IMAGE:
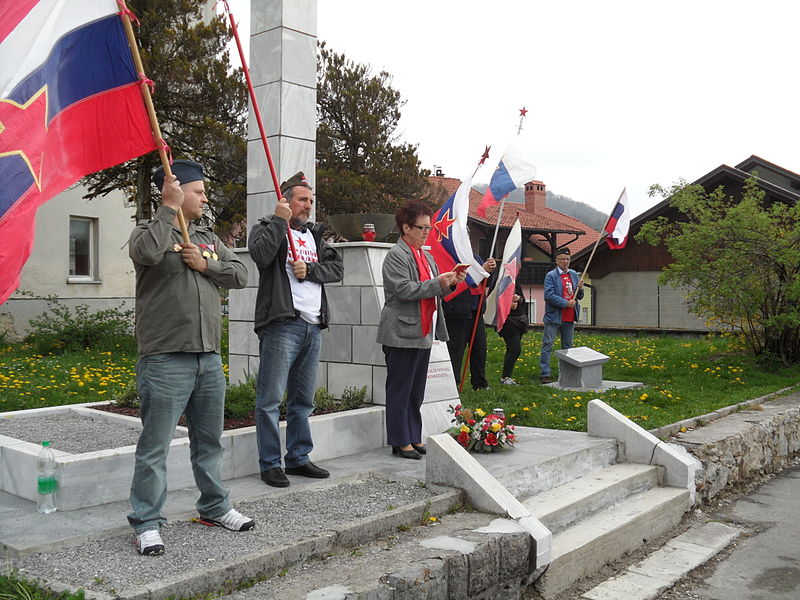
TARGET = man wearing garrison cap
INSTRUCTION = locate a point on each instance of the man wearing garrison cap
(179, 369)
(290, 312)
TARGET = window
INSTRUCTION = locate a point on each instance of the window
(82, 249)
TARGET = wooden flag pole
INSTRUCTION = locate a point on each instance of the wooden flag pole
(472, 337)
(151, 111)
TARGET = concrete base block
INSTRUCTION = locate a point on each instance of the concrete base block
(604, 386)
(450, 464)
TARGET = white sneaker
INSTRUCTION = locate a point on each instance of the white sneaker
(508, 381)
(149, 542)
(233, 520)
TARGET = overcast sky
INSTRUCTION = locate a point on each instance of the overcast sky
(619, 93)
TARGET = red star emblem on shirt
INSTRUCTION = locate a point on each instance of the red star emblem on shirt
(301, 242)
(442, 226)
(23, 128)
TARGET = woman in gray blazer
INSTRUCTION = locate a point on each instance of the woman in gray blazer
(411, 312)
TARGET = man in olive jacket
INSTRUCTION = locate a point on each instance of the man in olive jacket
(291, 309)
(179, 370)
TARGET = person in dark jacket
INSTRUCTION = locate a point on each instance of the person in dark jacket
(291, 310)
(460, 313)
(513, 329)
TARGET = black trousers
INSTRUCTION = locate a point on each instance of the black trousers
(406, 376)
(460, 331)
(513, 350)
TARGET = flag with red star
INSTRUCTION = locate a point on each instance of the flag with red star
(70, 105)
(449, 240)
(498, 304)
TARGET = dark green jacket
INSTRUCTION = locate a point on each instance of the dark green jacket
(178, 308)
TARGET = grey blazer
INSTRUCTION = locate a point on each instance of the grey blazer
(401, 320)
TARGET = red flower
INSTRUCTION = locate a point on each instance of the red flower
(510, 437)
(491, 440)
(485, 428)
(463, 438)
(471, 422)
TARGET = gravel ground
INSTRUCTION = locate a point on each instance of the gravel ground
(113, 563)
(71, 432)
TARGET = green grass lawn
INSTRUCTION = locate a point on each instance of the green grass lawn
(683, 377)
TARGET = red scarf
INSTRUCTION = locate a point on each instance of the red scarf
(426, 305)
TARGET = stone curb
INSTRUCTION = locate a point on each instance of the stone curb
(668, 430)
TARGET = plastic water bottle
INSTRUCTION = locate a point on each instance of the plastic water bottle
(47, 482)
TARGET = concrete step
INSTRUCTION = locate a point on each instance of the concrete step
(584, 455)
(581, 550)
(562, 506)
(464, 556)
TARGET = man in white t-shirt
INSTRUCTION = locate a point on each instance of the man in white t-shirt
(291, 309)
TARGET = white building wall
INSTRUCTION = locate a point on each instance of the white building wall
(47, 271)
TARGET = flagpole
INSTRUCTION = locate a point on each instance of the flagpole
(600, 237)
(257, 113)
(151, 111)
(472, 336)
(522, 114)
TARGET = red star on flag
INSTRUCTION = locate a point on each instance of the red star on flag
(25, 122)
(442, 226)
(512, 268)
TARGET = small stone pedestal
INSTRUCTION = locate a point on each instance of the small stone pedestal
(581, 369)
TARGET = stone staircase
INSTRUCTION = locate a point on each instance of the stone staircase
(600, 516)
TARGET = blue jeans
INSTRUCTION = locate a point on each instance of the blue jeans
(549, 335)
(170, 385)
(289, 356)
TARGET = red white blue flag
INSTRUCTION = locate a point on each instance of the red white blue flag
(513, 171)
(449, 240)
(618, 223)
(70, 105)
(498, 304)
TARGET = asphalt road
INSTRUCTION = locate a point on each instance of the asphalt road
(765, 561)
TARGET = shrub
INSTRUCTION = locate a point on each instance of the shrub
(61, 329)
(324, 400)
(240, 398)
(128, 397)
(352, 397)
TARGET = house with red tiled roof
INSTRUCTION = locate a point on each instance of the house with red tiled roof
(544, 230)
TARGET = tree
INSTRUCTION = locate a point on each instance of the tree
(201, 104)
(361, 166)
(739, 259)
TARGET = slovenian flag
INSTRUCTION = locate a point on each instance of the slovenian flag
(498, 304)
(449, 240)
(70, 105)
(513, 171)
(618, 223)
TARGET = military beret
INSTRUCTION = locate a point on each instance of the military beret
(298, 178)
(185, 170)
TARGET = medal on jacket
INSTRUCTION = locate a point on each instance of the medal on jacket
(209, 251)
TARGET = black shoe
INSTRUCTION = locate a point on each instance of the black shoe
(308, 470)
(545, 379)
(274, 477)
(406, 453)
(420, 449)
(481, 388)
